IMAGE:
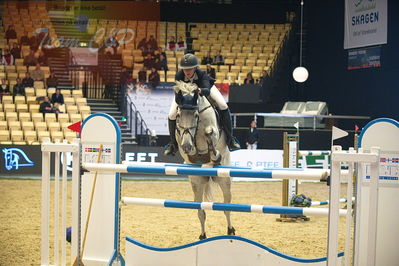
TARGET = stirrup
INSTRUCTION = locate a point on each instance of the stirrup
(170, 149)
(234, 144)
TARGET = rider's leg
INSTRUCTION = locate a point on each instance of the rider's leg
(225, 118)
(171, 148)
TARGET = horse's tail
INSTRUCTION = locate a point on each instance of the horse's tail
(208, 191)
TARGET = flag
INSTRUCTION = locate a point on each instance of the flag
(75, 127)
(296, 125)
(338, 133)
(356, 128)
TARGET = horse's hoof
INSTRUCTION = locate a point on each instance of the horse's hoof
(218, 159)
(202, 236)
(231, 231)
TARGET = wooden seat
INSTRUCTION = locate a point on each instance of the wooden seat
(3, 125)
(81, 101)
(50, 117)
(84, 109)
(9, 107)
(30, 136)
(11, 116)
(22, 108)
(70, 136)
(69, 100)
(14, 125)
(17, 135)
(27, 125)
(7, 99)
(40, 126)
(19, 99)
(4, 135)
(73, 118)
(29, 92)
(53, 126)
(63, 118)
(72, 109)
(56, 135)
(43, 134)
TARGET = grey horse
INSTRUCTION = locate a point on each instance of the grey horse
(201, 141)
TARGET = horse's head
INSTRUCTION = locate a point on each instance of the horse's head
(187, 115)
(11, 159)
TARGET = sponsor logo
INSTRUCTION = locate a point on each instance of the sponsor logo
(15, 158)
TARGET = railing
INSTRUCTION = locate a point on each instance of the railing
(135, 122)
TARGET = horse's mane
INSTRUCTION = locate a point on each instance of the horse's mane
(185, 88)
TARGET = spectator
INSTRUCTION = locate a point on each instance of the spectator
(10, 33)
(33, 43)
(124, 77)
(149, 62)
(249, 79)
(253, 137)
(27, 81)
(46, 107)
(210, 71)
(181, 45)
(207, 59)
(30, 59)
(160, 52)
(4, 87)
(52, 81)
(148, 50)
(141, 44)
(171, 46)
(154, 78)
(162, 63)
(263, 79)
(24, 39)
(18, 89)
(37, 74)
(7, 58)
(16, 51)
(57, 98)
(219, 59)
(142, 75)
(153, 42)
(111, 44)
(42, 59)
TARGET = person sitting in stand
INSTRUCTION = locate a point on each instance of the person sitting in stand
(152, 42)
(24, 40)
(15, 51)
(10, 33)
(148, 62)
(159, 52)
(171, 46)
(42, 59)
(57, 98)
(4, 87)
(142, 75)
(33, 43)
(7, 58)
(46, 107)
(30, 59)
(27, 81)
(148, 50)
(249, 79)
(141, 44)
(219, 59)
(162, 63)
(207, 59)
(18, 89)
(52, 81)
(37, 74)
(111, 44)
(154, 78)
(181, 44)
(263, 79)
(189, 72)
(210, 71)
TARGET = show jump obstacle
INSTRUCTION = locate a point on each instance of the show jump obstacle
(375, 218)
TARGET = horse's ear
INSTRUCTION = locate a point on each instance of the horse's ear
(195, 98)
(178, 97)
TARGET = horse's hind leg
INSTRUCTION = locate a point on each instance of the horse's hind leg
(225, 185)
(198, 186)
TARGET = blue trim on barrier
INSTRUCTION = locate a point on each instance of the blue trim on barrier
(283, 210)
(238, 238)
(182, 204)
(324, 202)
(231, 207)
(251, 173)
(231, 167)
(388, 120)
(146, 169)
(195, 171)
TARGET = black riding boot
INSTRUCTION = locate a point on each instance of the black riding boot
(171, 148)
(228, 129)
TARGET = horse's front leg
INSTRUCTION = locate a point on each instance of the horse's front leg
(211, 140)
(198, 186)
(225, 185)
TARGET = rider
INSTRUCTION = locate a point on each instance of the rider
(190, 72)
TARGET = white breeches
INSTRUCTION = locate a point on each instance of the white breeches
(215, 95)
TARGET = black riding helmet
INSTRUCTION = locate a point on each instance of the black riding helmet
(188, 61)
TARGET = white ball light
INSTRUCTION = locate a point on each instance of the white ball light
(300, 74)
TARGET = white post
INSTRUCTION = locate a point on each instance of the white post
(64, 207)
(373, 209)
(75, 242)
(56, 207)
(45, 228)
(349, 192)
(333, 209)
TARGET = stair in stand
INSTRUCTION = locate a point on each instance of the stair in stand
(110, 107)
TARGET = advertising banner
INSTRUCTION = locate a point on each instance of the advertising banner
(364, 58)
(365, 23)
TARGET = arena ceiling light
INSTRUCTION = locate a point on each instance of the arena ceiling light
(300, 74)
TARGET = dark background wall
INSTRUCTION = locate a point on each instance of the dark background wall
(373, 92)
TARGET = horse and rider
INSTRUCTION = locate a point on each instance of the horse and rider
(191, 73)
